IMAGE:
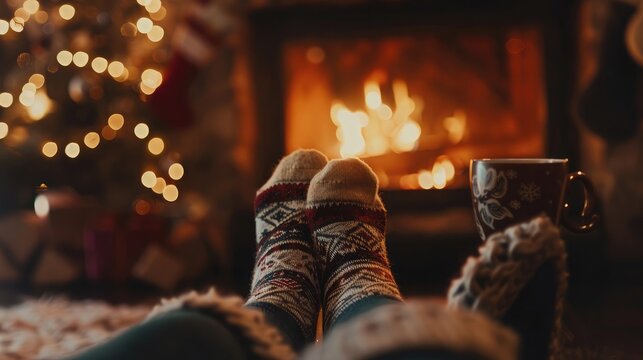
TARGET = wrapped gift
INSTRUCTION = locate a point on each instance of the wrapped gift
(100, 249)
(20, 236)
(54, 269)
(159, 268)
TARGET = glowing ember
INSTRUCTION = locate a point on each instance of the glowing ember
(425, 179)
(440, 175)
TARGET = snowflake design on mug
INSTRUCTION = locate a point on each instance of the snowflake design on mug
(529, 192)
(488, 186)
(512, 174)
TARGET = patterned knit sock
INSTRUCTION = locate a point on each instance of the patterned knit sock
(347, 220)
(285, 284)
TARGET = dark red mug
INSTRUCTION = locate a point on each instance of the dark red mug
(510, 191)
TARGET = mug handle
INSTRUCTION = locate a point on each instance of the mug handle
(589, 217)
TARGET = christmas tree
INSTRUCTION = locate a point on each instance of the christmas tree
(75, 82)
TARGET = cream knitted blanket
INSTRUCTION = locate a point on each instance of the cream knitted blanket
(52, 328)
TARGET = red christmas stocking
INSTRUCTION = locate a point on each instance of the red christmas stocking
(195, 44)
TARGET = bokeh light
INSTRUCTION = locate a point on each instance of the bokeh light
(108, 133)
(116, 121)
(99, 65)
(80, 58)
(148, 179)
(40, 106)
(142, 207)
(38, 80)
(4, 27)
(116, 69)
(144, 25)
(170, 193)
(50, 149)
(159, 15)
(156, 146)
(153, 6)
(72, 150)
(41, 206)
(128, 29)
(175, 171)
(64, 58)
(67, 11)
(152, 78)
(141, 130)
(31, 6)
(159, 186)
(17, 24)
(91, 140)
(156, 34)
(27, 98)
(6, 99)
(4, 130)
(41, 17)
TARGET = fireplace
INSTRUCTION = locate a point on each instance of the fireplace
(415, 89)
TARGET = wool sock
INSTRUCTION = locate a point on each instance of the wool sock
(347, 220)
(285, 283)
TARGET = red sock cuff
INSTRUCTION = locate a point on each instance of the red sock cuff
(281, 192)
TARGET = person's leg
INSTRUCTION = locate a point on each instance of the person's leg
(417, 330)
(285, 284)
(362, 306)
(347, 220)
(179, 334)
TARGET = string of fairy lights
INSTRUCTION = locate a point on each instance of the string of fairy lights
(37, 104)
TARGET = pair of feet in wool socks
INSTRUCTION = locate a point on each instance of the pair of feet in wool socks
(320, 242)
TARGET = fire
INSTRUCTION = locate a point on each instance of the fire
(456, 126)
(425, 179)
(379, 129)
(372, 95)
(349, 130)
(440, 175)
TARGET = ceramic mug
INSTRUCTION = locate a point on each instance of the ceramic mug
(510, 191)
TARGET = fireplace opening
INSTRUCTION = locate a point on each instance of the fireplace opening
(417, 108)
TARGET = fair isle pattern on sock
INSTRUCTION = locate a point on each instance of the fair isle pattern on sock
(349, 240)
(285, 274)
(348, 220)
